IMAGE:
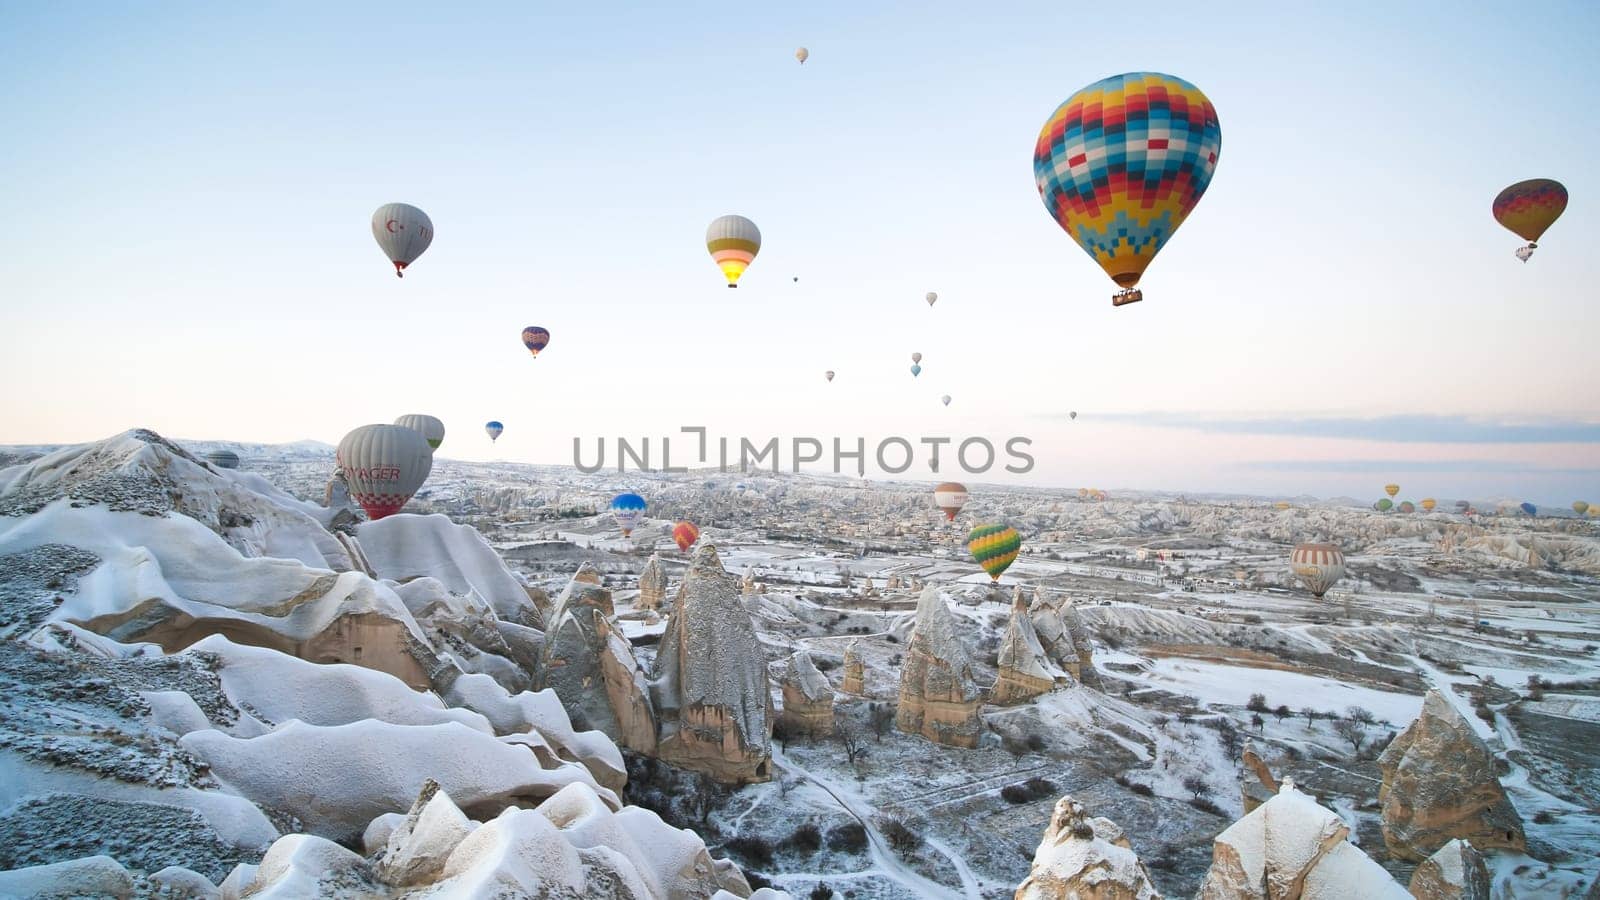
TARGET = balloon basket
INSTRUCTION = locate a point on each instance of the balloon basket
(1123, 298)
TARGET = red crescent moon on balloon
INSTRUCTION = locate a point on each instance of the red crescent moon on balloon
(390, 225)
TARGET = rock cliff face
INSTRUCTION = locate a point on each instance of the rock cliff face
(1062, 634)
(1439, 783)
(1291, 848)
(807, 697)
(652, 584)
(1025, 671)
(855, 670)
(939, 699)
(709, 684)
(592, 669)
(1256, 781)
(1456, 872)
(1084, 858)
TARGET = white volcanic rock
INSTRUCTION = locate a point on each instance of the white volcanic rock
(1292, 848)
(807, 696)
(187, 884)
(1085, 858)
(1439, 783)
(855, 670)
(541, 712)
(91, 876)
(1455, 872)
(652, 584)
(939, 698)
(305, 865)
(592, 668)
(403, 547)
(1025, 671)
(709, 687)
(416, 850)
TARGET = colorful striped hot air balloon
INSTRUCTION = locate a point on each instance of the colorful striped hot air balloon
(535, 339)
(684, 534)
(950, 497)
(1318, 566)
(1122, 163)
(1528, 208)
(1406, 506)
(1383, 505)
(493, 429)
(628, 510)
(1428, 503)
(403, 232)
(994, 547)
(733, 242)
(1391, 489)
(383, 465)
(431, 429)
(227, 459)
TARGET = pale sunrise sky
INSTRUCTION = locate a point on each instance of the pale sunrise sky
(188, 188)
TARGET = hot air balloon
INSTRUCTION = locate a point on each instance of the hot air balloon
(802, 54)
(1527, 208)
(1428, 503)
(945, 399)
(994, 547)
(1073, 415)
(535, 339)
(1406, 506)
(916, 357)
(685, 534)
(1318, 566)
(915, 371)
(1281, 504)
(1462, 506)
(1083, 493)
(950, 497)
(1383, 505)
(932, 298)
(493, 429)
(227, 459)
(431, 429)
(1391, 489)
(403, 232)
(383, 465)
(1122, 163)
(733, 242)
(1580, 506)
(829, 374)
(1594, 511)
(1529, 508)
(628, 509)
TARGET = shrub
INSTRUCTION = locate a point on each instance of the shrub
(1543, 817)
(825, 665)
(891, 639)
(1205, 805)
(1258, 703)
(1142, 789)
(755, 849)
(849, 838)
(756, 880)
(1035, 743)
(822, 892)
(1041, 787)
(1015, 793)
(1196, 785)
(806, 838)
(900, 836)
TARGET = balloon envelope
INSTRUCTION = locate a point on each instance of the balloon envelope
(829, 374)
(431, 429)
(916, 357)
(932, 298)
(915, 371)
(1318, 566)
(1123, 162)
(802, 54)
(403, 232)
(535, 339)
(1527, 208)
(1429, 503)
(684, 534)
(1530, 509)
(950, 497)
(1406, 506)
(384, 465)
(733, 242)
(1580, 506)
(227, 459)
(945, 399)
(1462, 506)
(628, 509)
(1384, 505)
(493, 429)
(1391, 489)
(994, 547)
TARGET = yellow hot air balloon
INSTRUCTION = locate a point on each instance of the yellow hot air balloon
(1122, 163)
(1580, 506)
(1281, 504)
(1428, 503)
(733, 242)
(1528, 208)
(802, 54)
(1391, 489)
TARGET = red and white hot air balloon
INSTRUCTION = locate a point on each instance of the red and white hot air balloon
(384, 465)
(1318, 566)
(950, 497)
(403, 232)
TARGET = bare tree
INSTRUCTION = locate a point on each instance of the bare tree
(1352, 731)
(1282, 712)
(1309, 713)
(1360, 715)
(850, 740)
(1196, 785)
(881, 717)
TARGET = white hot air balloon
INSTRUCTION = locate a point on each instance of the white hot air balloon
(1318, 566)
(223, 459)
(932, 298)
(403, 232)
(384, 465)
(945, 399)
(916, 357)
(431, 429)
(802, 54)
(829, 373)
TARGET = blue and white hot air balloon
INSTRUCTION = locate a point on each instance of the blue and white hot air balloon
(629, 512)
(493, 429)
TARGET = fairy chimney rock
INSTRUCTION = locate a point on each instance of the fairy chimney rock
(939, 698)
(807, 696)
(652, 584)
(1025, 671)
(855, 670)
(1084, 858)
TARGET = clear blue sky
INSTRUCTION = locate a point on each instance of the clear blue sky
(188, 187)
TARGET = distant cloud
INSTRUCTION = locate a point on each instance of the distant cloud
(1407, 429)
(1400, 466)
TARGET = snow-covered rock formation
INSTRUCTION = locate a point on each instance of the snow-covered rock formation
(939, 698)
(709, 684)
(1455, 872)
(1439, 783)
(652, 584)
(807, 697)
(855, 670)
(591, 667)
(1085, 858)
(1292, 848)
(1025, 671)
(1064, 637)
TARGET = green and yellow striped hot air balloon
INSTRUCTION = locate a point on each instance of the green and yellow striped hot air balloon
(995, 548)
